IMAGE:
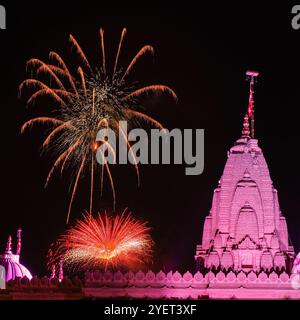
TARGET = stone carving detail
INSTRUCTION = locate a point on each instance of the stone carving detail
(245, 229)
(54, 283)
(186, 280)
(153, 285)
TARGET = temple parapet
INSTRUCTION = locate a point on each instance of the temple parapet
(161, 285)
(44, 283)
(187, 280)
(174, 285)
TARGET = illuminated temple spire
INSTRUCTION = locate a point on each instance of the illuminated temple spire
(245, 228)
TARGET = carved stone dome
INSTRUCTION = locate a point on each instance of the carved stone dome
(11, 262)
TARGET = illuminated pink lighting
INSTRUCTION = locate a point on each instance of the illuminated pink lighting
(11, 262)
(245, 251)
(252, 76)
(245, 229)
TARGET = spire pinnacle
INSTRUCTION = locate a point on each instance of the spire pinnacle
(252, 76)
(9, 243)
(19, 244)
(53, 271)
(61, 271)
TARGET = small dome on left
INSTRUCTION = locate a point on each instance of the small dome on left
(11, 262)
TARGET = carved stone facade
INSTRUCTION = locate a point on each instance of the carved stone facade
(43, 289)
(150, 285)
(245, 229)
(174, 285)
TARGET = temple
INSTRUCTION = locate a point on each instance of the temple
(245, 251)
(245, 229)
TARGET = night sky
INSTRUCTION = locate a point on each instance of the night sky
(202, 53)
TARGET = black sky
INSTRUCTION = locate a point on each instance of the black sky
(202, 53)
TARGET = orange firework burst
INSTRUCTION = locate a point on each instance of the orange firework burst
(92, 101)
(104, 242)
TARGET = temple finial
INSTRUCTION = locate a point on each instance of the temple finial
(53, 271)
(9, 243)
(19, 244)
(61, 271)
(246, 127)
(252, 76)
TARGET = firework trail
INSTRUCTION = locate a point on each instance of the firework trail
(104, 242)
(91, 101)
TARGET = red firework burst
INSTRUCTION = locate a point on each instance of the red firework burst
(105, 242)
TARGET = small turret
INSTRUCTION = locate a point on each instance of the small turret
(19, 244)
(53, 271)
(61, 271)
(9, 245)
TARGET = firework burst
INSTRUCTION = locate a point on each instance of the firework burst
(91, 101)
(104, 242)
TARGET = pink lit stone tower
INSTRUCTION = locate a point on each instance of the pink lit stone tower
(245, 229)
